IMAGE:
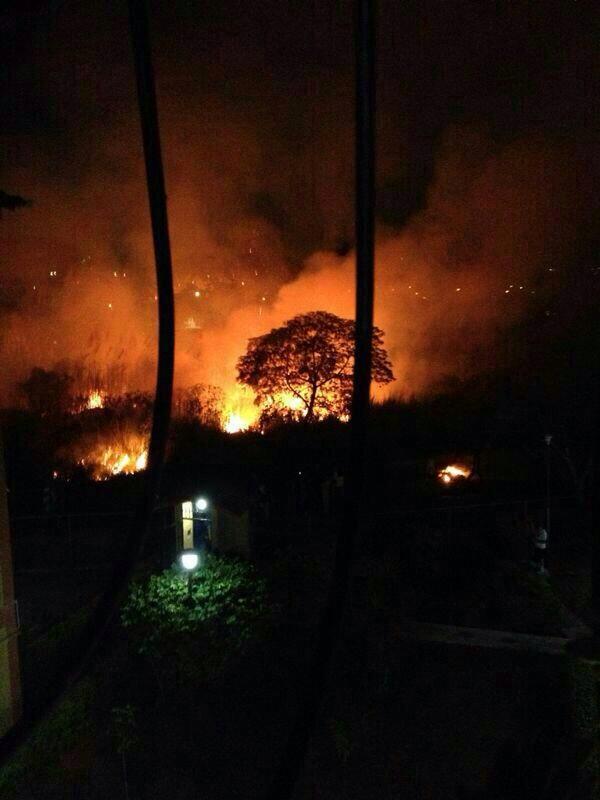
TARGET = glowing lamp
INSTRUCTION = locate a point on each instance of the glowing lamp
(201, 504)
(189, 560)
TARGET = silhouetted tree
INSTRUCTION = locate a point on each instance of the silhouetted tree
(202, 401)
(47, 391)
(307, 364)
(12, 201)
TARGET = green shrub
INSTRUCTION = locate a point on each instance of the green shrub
(523, 602)
(198, 634)
(36, 770)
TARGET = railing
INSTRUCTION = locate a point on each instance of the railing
(58, 542)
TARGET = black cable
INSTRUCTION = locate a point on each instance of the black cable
(312, 693)
(86, 650)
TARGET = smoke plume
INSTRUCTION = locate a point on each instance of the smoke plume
(259, 181)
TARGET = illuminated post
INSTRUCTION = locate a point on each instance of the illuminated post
(189, 561)
(108, 608)
(548, 440)
(285, 778)
(204, 529)
(10, 687)
(594, 529)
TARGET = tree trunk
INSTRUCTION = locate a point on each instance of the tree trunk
(311, 404)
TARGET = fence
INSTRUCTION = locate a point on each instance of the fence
(51, 543)
(491, 518)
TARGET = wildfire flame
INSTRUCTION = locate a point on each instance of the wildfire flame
(239, 412)
(113, 461)
(235, 423)
(95, 399)
(124, 455)
(452, 472)
(291, 401)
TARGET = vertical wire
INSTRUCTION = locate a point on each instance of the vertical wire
(95, 635)
(316, 678)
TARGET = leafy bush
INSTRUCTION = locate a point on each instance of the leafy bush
(200, 634)
(48, 646)
(522, 602)
(38, 769)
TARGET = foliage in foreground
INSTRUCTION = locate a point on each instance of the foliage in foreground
(48, 761)
(200, 634)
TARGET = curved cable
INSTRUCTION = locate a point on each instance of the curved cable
(313, 690)
(86, 650)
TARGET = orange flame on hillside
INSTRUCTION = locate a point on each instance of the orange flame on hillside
(117, 453)
(291, 401)
(95, 399)
(239, 412)
(235, 423)
(452, 472)
(123, 456)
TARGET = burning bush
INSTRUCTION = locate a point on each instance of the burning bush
(92, 400)
(454, 472)
(108, 452)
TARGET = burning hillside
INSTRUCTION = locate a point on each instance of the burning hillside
(447, 286)
(107, 454)
(108, 434)
(476, 220)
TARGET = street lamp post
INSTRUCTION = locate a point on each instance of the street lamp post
(548, 440)
(189, 561)
(204, 519)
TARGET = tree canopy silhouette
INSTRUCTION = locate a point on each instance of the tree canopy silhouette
(12, 201)
(306, 365)
(47, 391)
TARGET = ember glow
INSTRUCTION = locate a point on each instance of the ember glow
(453, 471)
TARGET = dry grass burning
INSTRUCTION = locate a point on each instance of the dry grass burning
(109, 453)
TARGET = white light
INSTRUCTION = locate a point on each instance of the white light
(201, 504)
(189, 560)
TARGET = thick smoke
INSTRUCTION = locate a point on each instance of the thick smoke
(259, 179)
(460, 273)
(448, 284)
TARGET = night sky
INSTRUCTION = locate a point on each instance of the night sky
(485, 178)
